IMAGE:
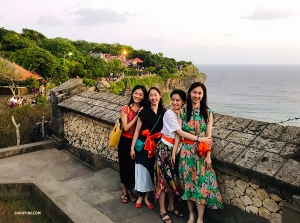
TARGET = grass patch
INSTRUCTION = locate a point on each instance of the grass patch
(10, 207)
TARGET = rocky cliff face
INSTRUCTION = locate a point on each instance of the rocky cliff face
(180, 83)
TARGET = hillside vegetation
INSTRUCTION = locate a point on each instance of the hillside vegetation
(58, 59)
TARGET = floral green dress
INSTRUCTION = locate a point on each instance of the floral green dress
(199, 184)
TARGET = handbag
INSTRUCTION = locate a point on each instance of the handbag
(116, 133)
(139, 144)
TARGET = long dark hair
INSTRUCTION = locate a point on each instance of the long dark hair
(181, 94)
(160, 103)
(145, 99)
(203, 102)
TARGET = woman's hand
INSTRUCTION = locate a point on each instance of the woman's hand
(206, 140)
(207, 162)
(173, 159)
(140, 109)
(132, 154)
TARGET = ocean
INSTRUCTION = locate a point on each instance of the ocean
(268, 93)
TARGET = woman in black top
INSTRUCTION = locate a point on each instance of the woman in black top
(150, 118)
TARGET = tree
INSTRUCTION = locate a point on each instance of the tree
(9, 74)
(14, 41)
(31, 82)
(32, 35)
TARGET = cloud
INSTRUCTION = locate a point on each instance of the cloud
(50, 21)
(94, 17)
(2, 17)
(269, 14)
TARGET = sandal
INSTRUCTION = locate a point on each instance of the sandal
(124, 198)
(165, 220)
(131, 196)
(176, 212)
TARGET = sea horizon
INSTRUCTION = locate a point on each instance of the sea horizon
(264, 92)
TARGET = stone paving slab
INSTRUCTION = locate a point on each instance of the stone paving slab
(225, 121)
(217, 117)
(239, 137)
(239, 124)
(230, 152)
(273, 131)
(290, 150)
(256, 127)
(269, 164)
(290, 173)
(292, 134)
(220, 132)
(270, 145)
(249, 158)
(218, 146)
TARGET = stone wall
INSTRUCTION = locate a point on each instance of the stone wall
(57, 95)
(89, 134)
(257, 163)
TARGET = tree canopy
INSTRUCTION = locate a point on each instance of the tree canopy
(60, 58)
(9, 74)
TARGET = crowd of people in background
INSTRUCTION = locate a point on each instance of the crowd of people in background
(15, 101)
(112, 77)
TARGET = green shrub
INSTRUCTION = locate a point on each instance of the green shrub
(42, 101)
(26, 116)
(167, 76)
(31, 82)
(89, 82)
(117, 87)
(166, 98)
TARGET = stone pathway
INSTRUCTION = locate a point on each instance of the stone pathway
(101, 188)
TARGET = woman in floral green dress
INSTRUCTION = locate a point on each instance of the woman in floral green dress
(197, 177)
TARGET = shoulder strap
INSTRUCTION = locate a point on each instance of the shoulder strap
(155, 123)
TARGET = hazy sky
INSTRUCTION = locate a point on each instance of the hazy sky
(204, 32)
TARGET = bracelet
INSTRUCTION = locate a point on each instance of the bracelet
(197, 138)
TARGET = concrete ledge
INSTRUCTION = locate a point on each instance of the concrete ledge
(26, 148)
(92, 159)
(59, 203)
(290, 213)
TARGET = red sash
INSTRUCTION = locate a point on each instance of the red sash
(127, 135)
(203, 148)
(170, 140)
(150, 144)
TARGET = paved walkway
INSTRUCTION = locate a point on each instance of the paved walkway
(101, 188)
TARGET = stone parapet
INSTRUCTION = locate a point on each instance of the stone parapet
(102, 106)
(268, 151)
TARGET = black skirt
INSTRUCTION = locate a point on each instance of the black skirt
(126, 163)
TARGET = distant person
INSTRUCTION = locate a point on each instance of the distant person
(13, 101)
(129, 116)
(195, 170)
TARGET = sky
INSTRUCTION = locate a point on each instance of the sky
(204, 32)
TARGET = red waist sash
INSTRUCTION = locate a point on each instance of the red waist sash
(150, 144)
(203, 148)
